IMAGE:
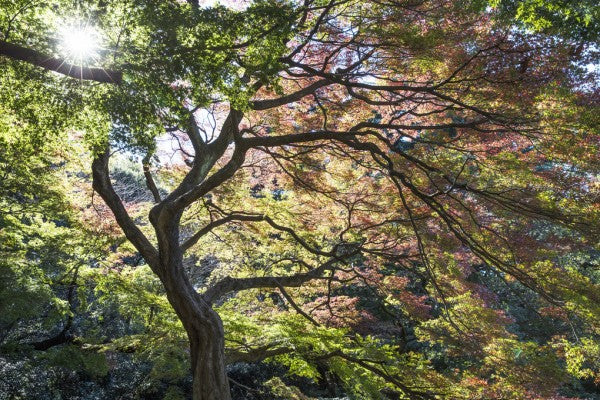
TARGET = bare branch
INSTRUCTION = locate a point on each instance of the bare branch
(296, 307)
(253, 218)
(272, 141)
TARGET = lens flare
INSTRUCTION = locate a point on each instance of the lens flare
(79, 43)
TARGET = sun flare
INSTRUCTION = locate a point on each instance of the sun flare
(79, 43)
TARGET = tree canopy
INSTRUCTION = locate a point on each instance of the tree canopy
(385, 199)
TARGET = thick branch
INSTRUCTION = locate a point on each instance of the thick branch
(195, 184)
(195, 136)
(216, 179)
(63, 337)
(59, 65)
(228, 284)
(256, 354)
(294, 138)
(290, 98)
(103, 186)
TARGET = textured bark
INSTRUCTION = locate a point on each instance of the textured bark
(208, 361)
(205, 333)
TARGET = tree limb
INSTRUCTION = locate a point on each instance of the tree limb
(256, 354)
(150, 180)
(216, 223)
(252, 218)
(290, 98)
(103, 186)
(228, 284)
(34, 57)
(63, 337)
(296, 307)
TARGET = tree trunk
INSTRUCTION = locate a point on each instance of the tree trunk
(208, 363)
(205, 333)
(202, 324)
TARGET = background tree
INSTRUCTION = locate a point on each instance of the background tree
(381, 171)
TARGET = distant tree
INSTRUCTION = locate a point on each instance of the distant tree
(349, 159)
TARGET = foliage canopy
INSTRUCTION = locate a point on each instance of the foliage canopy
(300, 199)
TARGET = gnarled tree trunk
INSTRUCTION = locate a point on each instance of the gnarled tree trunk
(208, 360)
(202, 324)
(205, 333)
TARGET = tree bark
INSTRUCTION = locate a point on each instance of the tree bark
(207, 348)
(202, 324)
(205, 334)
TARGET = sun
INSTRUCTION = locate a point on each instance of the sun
(79, 43)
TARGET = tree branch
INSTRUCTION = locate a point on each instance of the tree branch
(256, 354)
(59, 65)
(195, 184)
(216, 223)
(294, 138)
(296, 307)
(228, 284)
(366, 364)
(103, 186)
(178, 202)
(64, 336)
(149, 180)
(253, 218)
(290, 98)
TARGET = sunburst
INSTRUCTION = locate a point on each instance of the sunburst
(79, 43)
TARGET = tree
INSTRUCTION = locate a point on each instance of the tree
(387, 146)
